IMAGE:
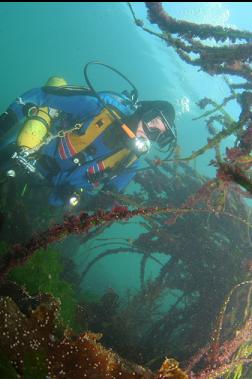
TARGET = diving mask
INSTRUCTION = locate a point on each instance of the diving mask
(157, 127)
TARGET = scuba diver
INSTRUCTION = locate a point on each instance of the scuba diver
(83, 142)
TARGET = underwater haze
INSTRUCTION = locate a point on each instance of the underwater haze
(133, 279)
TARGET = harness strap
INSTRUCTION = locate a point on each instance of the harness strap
(99, 124)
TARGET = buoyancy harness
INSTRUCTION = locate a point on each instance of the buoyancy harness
(37, 127)
(129, 154)
(79, 143)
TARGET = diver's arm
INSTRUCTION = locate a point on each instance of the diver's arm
(67, 183)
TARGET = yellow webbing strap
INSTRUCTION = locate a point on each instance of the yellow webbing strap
(99, 124)
(113, 160)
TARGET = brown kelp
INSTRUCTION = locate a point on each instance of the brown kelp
(189, 41)
(194, 235)
(196, 231)
(33, 345)
(233, 59)
(194, 246)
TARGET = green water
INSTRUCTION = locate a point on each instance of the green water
(39, 40)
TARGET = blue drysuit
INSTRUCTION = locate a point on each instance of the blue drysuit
(62, 170)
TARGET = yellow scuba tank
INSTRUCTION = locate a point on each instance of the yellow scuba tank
(35, 127)
(39, 120)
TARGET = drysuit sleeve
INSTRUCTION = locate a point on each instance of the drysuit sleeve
(67, 182)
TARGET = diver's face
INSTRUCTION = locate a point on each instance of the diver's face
(156, 123)
(155, 128)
